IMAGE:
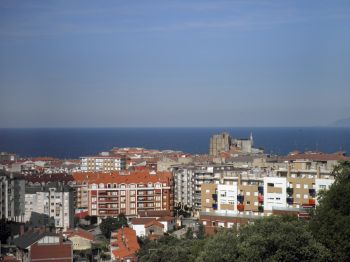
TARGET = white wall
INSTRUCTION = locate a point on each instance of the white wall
(275, 199)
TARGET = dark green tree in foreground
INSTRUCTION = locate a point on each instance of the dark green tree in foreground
(112, 224)
(269, 239)
(331, 221)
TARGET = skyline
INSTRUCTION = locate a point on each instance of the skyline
(174, 63)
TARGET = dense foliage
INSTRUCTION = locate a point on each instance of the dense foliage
(270, 239)
(331, 222)
(325, 238)
(112, 224)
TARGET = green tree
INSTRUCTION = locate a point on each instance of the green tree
(331, 221)
(221, 247)
(201, 231)
(110, 224)
(279, 239)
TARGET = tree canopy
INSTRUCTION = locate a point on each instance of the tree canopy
(110, 224)
(331, 221)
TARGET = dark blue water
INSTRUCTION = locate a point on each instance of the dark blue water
(72, 143)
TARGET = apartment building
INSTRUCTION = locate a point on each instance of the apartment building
(103, 163)
(110, 194)
(284, 189)
(52, 203)
(12, 189)
(190, 180)
(239, 194)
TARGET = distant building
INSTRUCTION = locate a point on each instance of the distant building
(7, 157)
(224, 142)
(52, 203)
(12, 190)
(103, 163)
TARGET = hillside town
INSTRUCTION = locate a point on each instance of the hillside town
(99, 207)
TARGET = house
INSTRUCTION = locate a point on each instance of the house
(80, 238)
(124, 245)
(154, 229)
(138, 224)
(168, 222)
(43, 247)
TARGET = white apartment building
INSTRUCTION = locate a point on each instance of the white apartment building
(102, 163)
(275, 193)
(50, 204)
(227, 197)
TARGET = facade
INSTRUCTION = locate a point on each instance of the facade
(189, 180)
(52, 203)
(12, 189)
(224, 142)
(43, 247)
(102, 163)
(219, 143)
(283, 189)
(110, 194)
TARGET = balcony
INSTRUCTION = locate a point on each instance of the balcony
(312, 202)
(290, 200)
(312, 192)
(261, 189)
(240, 198)
(240, 207)
(290, 191)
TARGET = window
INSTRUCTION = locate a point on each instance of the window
(297, 195)
(122, 205)
(306, 196)
(271, 184)
(247, 193)
(256, 193)
(248, 202)
(207, 191)
(298, 185)
(255, 203)
(207, 201)
(122, 193)
(306, 186)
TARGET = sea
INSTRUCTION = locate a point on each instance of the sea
(67, 143)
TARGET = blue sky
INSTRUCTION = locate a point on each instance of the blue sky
(174, 63)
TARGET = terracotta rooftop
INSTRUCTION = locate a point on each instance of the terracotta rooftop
(316, 156)
(127, 244)
(79, 232)
(154, 223)
(122, 177)
(141, 221)
(154, 213)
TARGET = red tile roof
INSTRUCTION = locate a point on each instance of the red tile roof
(154, 223)
(141, 221)
(316, 156)
(122, 177)
(79, 232)
(127, 244)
